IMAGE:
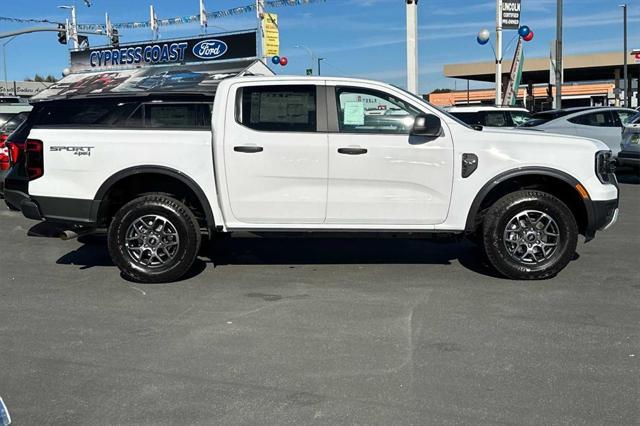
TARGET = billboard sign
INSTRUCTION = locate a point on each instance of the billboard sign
(166, 52)
(511, 14)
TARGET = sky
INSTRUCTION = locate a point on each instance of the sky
(358, 38)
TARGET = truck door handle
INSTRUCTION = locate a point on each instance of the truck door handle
(248, 149)
(352, 151)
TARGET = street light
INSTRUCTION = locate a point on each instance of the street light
(320, 59)
(626, 65)
(4, 63)
(309, 51)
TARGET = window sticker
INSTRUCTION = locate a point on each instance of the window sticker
(354, 113)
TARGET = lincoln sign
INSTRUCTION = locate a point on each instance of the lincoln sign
(166, 52)
(511, 14)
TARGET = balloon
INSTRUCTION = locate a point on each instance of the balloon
(284, 61)
(524, 31)
(275, 60)
(528, 37)
(483, 37)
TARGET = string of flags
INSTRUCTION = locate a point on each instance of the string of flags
(154, 22)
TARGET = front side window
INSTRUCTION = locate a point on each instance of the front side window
(370, 111)
(625, 116)
(520, 117)
(278, 108)
(594, 119)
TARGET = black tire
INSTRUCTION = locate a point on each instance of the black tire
(539, 264)
(173, 223)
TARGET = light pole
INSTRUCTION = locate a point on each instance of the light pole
(73, 32)
(319, 60)
(309, 51)
(498, 52)
(559, 65)
(4, 62)
(626, 65)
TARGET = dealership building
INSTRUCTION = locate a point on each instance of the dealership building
(590, 80)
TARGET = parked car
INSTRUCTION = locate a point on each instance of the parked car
(5, 130)
(630, 148)
(12, 105)
(296, 154)
(491, 116)
(602, 123)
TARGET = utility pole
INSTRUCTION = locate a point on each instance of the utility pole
(319, 60)
(559, 64)
(412, 46)
(627, 102)
(498, 52)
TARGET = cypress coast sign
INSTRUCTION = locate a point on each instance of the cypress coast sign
(166, 52)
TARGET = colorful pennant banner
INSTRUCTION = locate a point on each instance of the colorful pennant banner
(174, 21)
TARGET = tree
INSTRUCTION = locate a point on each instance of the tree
(48, 79)
(442, 91)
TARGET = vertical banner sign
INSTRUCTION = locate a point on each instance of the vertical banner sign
(515, 77)
(271, 35)
(510, 14)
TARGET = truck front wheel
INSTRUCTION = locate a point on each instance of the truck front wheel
(529, 235)
(154, 238)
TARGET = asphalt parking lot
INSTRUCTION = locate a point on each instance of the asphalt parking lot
(321, 331)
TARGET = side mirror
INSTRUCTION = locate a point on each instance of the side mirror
(427, 125)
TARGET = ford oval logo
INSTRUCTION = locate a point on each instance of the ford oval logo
(210, 49)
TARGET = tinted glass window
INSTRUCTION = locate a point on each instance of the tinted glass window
(594, 119)
(368, 111)
(468, 117)
(176, 116)
(519, 117)
(14, 122)
(279, 108)
(496, 119)
(79, 113)
(635, 119)
(9, 100)
(625, 116)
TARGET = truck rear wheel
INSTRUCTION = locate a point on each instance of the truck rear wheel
(154, 238)
(529, 235)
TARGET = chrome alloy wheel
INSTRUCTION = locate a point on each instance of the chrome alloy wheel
(152, 240)
(531, 237)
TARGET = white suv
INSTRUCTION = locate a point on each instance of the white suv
(291, 154)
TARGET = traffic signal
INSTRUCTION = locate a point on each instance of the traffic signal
(62, 34)
(115, 38)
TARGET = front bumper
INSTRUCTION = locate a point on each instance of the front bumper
(603, 215)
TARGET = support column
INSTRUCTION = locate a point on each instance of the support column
(412, 46)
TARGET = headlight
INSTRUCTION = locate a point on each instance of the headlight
(605, 166)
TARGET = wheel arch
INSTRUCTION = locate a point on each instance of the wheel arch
(140, 172)
(553, 181)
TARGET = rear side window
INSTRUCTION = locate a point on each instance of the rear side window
(594, 119)
(278, 108)
(176, 116)
(80, 113)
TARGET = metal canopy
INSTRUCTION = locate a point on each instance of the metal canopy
(577, 68)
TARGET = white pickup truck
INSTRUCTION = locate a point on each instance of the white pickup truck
(312, 154)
